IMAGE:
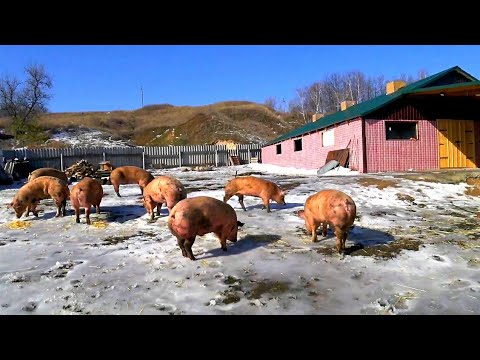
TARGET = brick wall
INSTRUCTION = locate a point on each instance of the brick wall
(313, 154)
(401, 155)
(477, 143)
(383, 155)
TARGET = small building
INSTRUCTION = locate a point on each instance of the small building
(430, 124)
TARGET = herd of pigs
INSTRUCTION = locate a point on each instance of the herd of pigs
(188, 217)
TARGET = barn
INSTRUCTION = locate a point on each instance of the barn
(430, 124)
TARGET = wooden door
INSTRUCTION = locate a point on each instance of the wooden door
(456, 141)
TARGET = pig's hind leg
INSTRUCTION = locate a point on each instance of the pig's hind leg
(181, 245)
(240, 200)
(159, 206)
(341, 235)
(188, 247)
(87, 214)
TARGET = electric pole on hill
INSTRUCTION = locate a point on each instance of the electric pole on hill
(141, 89)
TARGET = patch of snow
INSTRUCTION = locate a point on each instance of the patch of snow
(87, 138)
(134, 266)
(283, 170)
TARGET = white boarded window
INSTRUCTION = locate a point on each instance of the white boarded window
(327, 138)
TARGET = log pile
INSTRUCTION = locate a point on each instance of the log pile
(80, 170)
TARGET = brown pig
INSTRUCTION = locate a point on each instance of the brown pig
(86, 193)
(253, 186)
(163, 189)
(199, 216)
(43, 187)
(129, 175)
(47, 172)
(329, 207)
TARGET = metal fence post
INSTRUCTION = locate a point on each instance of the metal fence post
(179, 159)
(61, 161)
(143, 159)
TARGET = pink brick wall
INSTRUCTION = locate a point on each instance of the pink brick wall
(313, 155)
(401, 155)
(477, 142)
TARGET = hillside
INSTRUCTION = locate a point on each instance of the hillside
(232, 121)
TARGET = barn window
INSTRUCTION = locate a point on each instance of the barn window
(401, 130)
(328, 138)
(279, 149)
(298, 145)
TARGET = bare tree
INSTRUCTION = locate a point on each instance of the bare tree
(407, 78)
(276, 104)
(272, 103)
(316, 97)
(336, 93)
(302, 94)
(379, 86)
(326, 95)
(422, 74)
(24, 101)
(356, 86)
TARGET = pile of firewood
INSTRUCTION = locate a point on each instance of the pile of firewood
(80, 170)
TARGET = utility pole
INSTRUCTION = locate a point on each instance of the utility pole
(141, 89)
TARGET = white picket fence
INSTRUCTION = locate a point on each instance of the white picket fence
(144, 157)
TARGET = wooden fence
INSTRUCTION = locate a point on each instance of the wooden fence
(155, 157)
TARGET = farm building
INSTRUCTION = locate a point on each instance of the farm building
(433, 123)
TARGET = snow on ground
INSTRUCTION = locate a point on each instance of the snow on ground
(407, 255)
(86, 137)
(281, 170)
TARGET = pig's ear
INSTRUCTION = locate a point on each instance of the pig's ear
(10, 205)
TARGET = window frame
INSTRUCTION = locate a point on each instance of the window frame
(297, 141)
(332, 131)
(388, 123)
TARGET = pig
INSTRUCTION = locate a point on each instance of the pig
(163, 189)
(329, 207)
(129, 175)
(253, 186)
(199, 216)
(86, 193)
(47, 172)
(43, 187)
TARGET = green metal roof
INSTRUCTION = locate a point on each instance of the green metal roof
(369, 106)
(446, 87)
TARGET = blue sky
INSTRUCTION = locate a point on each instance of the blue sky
(108, 77)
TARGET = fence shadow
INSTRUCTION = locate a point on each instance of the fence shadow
(15, 186)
